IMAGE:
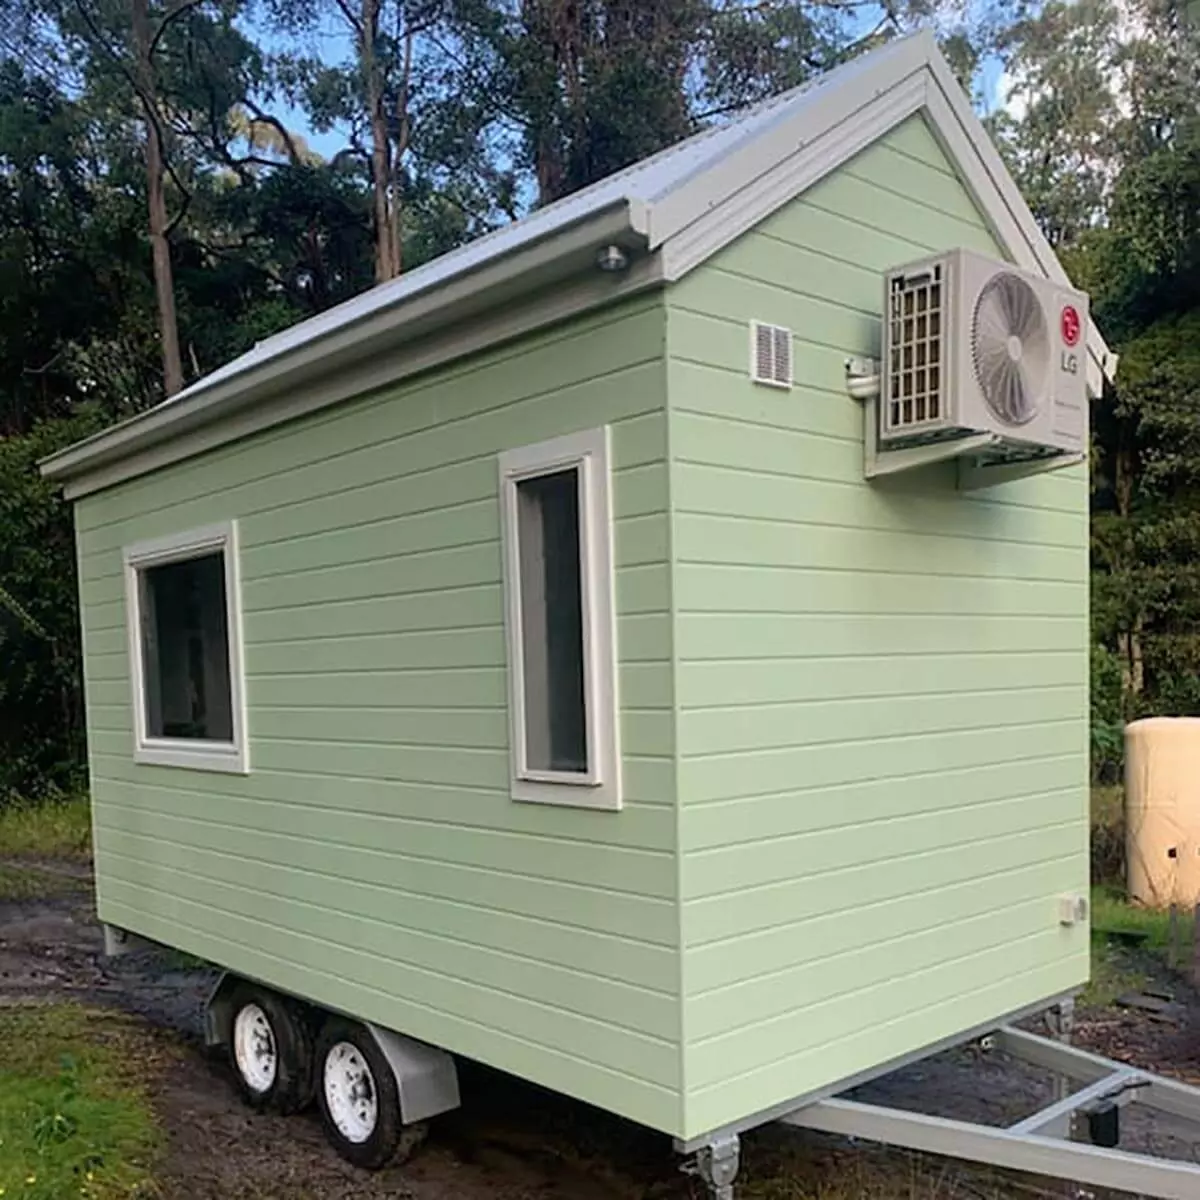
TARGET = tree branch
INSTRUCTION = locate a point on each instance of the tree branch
(238, 254)
(186, 204)
(176, 10)
(351, 19)
(264, 118)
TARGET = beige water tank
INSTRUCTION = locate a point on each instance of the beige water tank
(1162, 810)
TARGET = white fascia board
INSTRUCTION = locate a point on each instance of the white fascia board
(815, 158)
(965, 140)
(750, 170)
(494, 287)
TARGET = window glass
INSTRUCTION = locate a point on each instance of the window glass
(552, 622)
(185, 649)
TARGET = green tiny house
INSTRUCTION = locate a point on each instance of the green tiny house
(577, 705)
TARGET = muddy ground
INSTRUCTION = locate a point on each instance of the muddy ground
(511, 1141)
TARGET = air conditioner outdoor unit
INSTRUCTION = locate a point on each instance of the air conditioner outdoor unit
(974, 347)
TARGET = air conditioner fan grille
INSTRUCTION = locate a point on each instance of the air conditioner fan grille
(1010, 346)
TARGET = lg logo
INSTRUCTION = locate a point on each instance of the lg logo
(1070, 326)
(1069, 323)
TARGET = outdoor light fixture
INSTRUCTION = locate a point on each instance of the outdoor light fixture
(612, 258)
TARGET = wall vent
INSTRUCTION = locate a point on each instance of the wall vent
(770, 354)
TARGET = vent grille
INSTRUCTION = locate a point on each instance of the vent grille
(916, 308)
(770, 354)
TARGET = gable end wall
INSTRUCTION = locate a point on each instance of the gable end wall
(881, 688)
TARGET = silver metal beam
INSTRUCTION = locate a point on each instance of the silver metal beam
(1163, 1095)
(1161, 1178)
(1055, 1120)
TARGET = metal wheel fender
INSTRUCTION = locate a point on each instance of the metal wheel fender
(218, 1010)
(426, 1077)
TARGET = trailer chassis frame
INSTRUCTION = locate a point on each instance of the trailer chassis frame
(1073, 1138)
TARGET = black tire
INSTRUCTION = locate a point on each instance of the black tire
(286, 1028)
(370, 1147)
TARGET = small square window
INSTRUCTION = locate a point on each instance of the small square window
(559, 619)
(185, 651)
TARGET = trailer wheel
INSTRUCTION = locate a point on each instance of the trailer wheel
(359, 1100)
(270, 1047)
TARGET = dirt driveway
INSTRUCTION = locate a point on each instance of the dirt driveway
(511, 1141)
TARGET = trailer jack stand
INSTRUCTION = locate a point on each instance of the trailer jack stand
(716, 1164)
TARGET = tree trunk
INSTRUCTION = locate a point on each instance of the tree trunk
(1129, 641)
(387, 259)
(396, 199)
(542, 81)
(156, 196)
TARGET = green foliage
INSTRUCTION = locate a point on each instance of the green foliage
(572, 92)
(59, 828)
(74, 1121)
(1060, 61)
(1107, 152)
(1107, 725)
(1108, 834)
(72, 279)
(1113, 913)
(41, 722)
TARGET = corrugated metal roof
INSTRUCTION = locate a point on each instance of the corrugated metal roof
(645, 183)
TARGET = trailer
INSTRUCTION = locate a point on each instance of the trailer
(643, 650)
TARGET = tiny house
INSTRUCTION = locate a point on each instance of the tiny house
(621, 651)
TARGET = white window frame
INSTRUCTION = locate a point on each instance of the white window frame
(193, 753)
(600, 785)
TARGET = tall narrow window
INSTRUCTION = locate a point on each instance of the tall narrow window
(185, 651)
(558, 584)
(552, 621)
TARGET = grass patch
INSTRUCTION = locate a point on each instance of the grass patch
(1112, 913)
(1113, 975)
(74, 1121)
(1123, 936)
(54, 829)
(29, 883)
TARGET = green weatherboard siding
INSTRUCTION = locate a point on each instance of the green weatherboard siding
(852, 716)
(372, 859)
(881, 688)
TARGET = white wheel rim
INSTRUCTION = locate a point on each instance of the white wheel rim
(254, 1048)
(350, 1092)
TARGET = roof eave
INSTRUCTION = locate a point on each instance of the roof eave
(493, 283)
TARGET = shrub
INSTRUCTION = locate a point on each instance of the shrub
(1108, 835)
(1107, 726)
(42, 743)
